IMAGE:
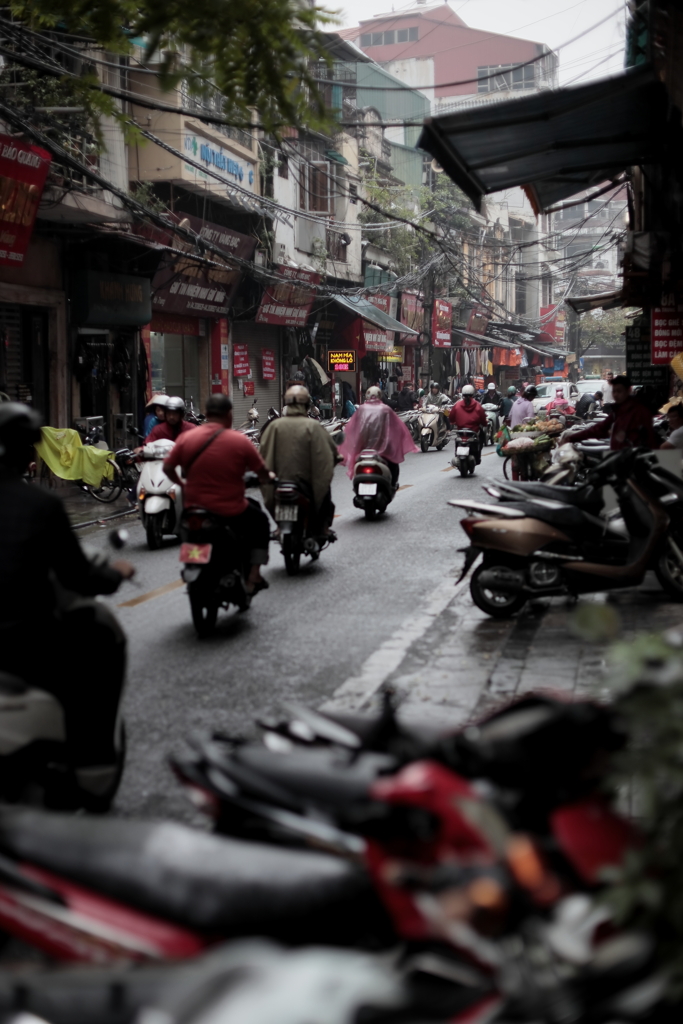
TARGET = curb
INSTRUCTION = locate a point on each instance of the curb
(105, 519)
(357, 692)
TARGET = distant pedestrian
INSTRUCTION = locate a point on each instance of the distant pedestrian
(523, 407)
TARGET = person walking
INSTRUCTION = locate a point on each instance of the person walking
(523, 407)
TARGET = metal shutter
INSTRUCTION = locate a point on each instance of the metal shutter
(266, 392)
(11, 361)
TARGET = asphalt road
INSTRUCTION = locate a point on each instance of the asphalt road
(299, 641)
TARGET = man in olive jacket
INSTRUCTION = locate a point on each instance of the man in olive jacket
(296, 447)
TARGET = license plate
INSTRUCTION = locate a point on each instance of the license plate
(286, 513)
(195, 554)
(367, 488)
(462, 451)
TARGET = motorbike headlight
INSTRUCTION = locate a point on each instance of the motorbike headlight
(141, 494)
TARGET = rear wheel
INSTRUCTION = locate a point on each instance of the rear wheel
(424, 444)
(462, 466)
(496, 603)
(471, 466)
(371, 512)
(489, 433)
(442, 444)
(155, 531)
(292, 552)
(109, 490)
(204, 614)
(669, 572)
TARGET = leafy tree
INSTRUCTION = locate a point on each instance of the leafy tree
(603, 328)
(260, 55)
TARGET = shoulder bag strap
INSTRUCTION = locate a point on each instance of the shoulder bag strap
(186, 469)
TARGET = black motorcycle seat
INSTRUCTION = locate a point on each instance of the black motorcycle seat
(587, 497)
(204, 882)
(318, 774)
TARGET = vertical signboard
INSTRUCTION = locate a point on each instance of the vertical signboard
(23, 170)
(412, 315)
(240, 361)
(268, 363)
(441, 324)
(639, 365)
(666, 331)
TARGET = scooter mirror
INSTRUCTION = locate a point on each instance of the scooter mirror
(118, 539)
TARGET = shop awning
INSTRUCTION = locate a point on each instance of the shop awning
(554, 143)
(601, 300)
(370, 312)
(489, 341)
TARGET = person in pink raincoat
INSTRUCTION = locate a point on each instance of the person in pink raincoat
(377, 427)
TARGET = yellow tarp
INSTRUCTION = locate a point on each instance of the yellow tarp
(70, 459)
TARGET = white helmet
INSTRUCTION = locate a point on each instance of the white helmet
(373, 392)
(468, 390)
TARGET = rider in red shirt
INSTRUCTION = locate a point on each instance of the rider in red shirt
(468, 414)
(214, 459)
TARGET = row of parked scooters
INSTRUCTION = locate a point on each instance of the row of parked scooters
(412, 876)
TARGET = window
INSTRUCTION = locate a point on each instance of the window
(413, 35)
(506, 77)
(315, 187)
(389, 38)
(377, 38)
(402, 35)
(353, 194)
(283, 166)
(366, 39)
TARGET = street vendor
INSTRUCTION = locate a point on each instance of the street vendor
(629, 424)
(523, 407)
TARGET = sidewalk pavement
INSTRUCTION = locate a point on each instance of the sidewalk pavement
(451, 663)
(83, 509)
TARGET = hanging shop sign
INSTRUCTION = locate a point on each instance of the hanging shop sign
(375, 338)
(666, 327)
(478, 320)
(110, 300)
(240, 361)
(341, 361)
(183, 285)
(396, 355)
(165, 323)
(23, 170)
(268, 364)
(288, 301)
(441, 324)
(249, 387)
(412, 315)
(407, 374)
(553, 327)
(639, 365)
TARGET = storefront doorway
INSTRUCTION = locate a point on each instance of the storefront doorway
(175, 365)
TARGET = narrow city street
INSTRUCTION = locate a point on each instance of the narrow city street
(300, 640)
(379, 608)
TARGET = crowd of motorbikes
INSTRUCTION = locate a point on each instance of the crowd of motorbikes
(359, 871)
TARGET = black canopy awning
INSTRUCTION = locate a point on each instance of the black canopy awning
(554, 143)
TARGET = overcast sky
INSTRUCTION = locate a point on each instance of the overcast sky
(554, 22)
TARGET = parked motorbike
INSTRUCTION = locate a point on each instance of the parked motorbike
(296, 521)
(434, 428)
(411, 418)
(372, 484)
(543, 547)
(492, 413)
(159, 499)
(466, 451)
(192, 416)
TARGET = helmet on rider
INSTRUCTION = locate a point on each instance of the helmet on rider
(175, 405)
(373, 392)
(468, 390)
(298, 395)
(19, 431)
(491, 386)
(512, 390)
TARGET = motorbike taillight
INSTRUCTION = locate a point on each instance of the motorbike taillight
(367, 469)
(196, 522)
(468, 525)
(286, 494)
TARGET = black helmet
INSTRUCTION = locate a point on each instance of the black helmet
(19, 431)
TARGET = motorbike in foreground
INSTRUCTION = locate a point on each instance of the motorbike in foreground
(372, 484)
(296, 520)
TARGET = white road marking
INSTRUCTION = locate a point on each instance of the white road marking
(357, 692)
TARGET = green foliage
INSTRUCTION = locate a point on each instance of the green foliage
(256, 54)
(144, 193)
(603, 327)
(647, 889)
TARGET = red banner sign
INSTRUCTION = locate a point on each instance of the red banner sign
(412, 315)
(441, 324)
(240, 361)
(249, 387)
(286, 302)
(378, 339)
(667, 334)
(23, 170)
(268, 363)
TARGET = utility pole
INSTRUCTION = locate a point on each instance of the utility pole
(427, 325)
